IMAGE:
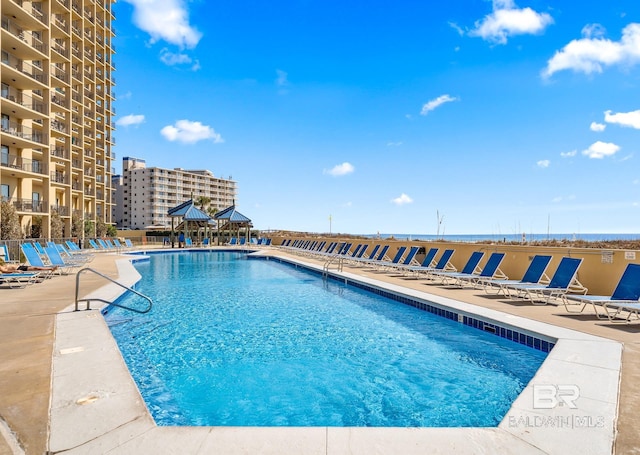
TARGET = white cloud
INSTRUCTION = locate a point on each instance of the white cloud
(340, 169)
(434, 103)
(593, 52)
(601, 149)
(543, 163)
(281, 80)
(190, 132)
(169, 58)
(506, 20)
(457, 28)
(630, 119)
(166, 20)
(402, 200)
(568, 154)
(131, 119)
(597, 127)
(571, 197)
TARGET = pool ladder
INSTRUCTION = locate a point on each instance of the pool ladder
(339, 264)
(87, 269)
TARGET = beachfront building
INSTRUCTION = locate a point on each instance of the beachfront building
(147, 193)
(57, 106)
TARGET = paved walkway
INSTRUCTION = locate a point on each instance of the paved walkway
(27, 321)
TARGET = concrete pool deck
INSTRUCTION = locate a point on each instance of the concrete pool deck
(95, 407)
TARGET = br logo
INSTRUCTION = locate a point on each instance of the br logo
(548, 396)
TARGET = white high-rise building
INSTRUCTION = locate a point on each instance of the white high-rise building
(147, 193)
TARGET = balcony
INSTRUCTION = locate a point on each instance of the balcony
(60, 100)
(25, 68)
(17, 130)
(17, 96)
(33, 8)
(59, 177)
(62, 210)
(28, 205)
(59, 126)
(59, 21)
(17, 31)
(23, 164)
(60, 152)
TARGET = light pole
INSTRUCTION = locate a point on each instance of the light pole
(329, 224)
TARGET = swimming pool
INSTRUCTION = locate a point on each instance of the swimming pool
(247, 342)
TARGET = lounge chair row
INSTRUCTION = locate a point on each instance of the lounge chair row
(110, 244)
(535, 286)
(44, 262)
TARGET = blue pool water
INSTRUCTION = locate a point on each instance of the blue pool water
(243, 342)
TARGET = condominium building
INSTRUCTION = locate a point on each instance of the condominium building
(147, 193)
(57, 107)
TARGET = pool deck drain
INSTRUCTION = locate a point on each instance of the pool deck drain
(96, 408)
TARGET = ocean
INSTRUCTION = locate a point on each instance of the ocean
(510, 237)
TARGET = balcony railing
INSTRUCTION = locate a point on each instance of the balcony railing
(28, 69)
(59, 177)
(17, 31)
(18, 130)
(59, 126)
(28, 205)
(17, 96)
(59, 152)
(59, 74)
(33, 8)
(23, 164)
(60, 22)
(62, 210)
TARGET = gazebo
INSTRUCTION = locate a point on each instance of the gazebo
(231, 220)
(191, 218)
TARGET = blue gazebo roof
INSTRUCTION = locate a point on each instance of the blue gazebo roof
(231, 215)
(188, 212)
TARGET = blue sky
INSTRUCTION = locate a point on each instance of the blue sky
(502, 117)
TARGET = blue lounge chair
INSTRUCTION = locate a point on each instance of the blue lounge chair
(469, 268)
(490, 271)
(4, 254)
(128, 243)
(625, 298)
(188, 242)
(34, 259)
(360, 258)
(72, 246)
(428, 261)
(76, 256)
(409, 259)
(442, 265)
(382, 265)
(533, 275)
(232, 241)
(19, 279)
(205, 242)
(562, 282)
(38, 248)
(55, 259)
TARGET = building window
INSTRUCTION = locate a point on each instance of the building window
(5, 192)
(4, 156)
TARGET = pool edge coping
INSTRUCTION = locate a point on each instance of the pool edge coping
(523, 428)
